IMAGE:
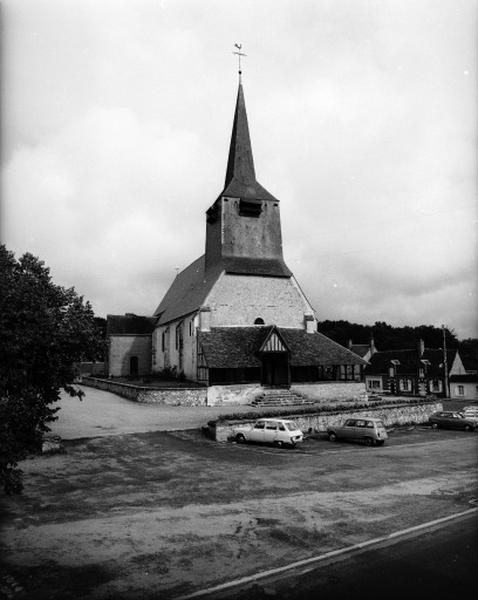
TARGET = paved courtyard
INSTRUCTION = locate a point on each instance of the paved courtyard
(101, 413)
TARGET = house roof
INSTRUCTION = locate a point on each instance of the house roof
(409, 361)
(240, 179)
(129, 324)
(360, 349)
(468, 378)
(238, 347)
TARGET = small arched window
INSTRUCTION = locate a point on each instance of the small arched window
(259, 321)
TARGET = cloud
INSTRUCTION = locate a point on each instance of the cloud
(106, 196)
(117, 117)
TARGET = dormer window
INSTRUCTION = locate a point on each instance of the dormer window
(259, 321)
(250, 208)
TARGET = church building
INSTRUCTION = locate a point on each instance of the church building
(236, 315)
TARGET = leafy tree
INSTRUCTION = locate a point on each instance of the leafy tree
(469, 353)
(44, 328)
(386, 336)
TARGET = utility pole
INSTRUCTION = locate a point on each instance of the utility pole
(445, 363)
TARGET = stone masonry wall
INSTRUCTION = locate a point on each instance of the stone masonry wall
(237, 300)
(220, 395)
(166, 396)
(122, 347)
(390, 415)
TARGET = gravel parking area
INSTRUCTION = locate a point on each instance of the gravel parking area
(164, 513)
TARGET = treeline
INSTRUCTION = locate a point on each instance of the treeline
(388, 337)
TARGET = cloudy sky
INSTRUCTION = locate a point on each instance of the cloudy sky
(116, 124)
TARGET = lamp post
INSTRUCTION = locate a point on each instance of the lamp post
(445, 363)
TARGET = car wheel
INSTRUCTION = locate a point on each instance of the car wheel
(369, 441)
(292, 444)
(468, 427)
(380, 442)
(333, 437)
(240, 439)
(278, 444)
(434, 425)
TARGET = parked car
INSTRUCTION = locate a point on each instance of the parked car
(370, 431)
(280, 432)
(471, 413)
(451, 420)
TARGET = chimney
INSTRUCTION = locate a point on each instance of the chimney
(205, 318)
(310, 323)
(421, 347)
(349, 344)
(372, 346)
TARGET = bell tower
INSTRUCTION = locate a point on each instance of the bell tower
(243, 231)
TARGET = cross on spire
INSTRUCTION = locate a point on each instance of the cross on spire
(239, 54)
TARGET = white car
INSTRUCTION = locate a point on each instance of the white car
(470, 413)
(280, 432)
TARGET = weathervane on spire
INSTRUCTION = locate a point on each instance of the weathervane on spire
(239, 54)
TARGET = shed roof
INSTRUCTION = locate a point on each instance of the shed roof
(238, 347)
(129, 324)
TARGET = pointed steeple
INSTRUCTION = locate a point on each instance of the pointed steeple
(243, 233)
(240, 164)
(240, 179)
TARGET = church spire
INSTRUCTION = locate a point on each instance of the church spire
(240, 164)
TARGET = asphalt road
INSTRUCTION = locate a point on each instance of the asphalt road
(439, 563)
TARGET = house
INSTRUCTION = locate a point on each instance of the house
(365, 351)
(419, 371)
(464, 386)
(236, 315)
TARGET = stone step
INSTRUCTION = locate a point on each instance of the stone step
(272, 398)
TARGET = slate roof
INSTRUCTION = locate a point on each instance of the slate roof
(409, 361)
(240, 179)
(237, 347)
(468, 378)
(360, 349)
(129, 324)
(266, 267)
(188, 291)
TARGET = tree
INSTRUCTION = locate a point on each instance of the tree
(469, 353)
(386, 336)
(44, 328)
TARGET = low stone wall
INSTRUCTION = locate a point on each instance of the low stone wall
(222, 395)
(167, 396)
(402, 414)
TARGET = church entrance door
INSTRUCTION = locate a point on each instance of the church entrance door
(133, 366)
(275, 369)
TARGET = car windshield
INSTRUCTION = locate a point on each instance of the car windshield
(380, 424)
(291, 426)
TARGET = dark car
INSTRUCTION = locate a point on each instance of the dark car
(451, 420)
(368, 430)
